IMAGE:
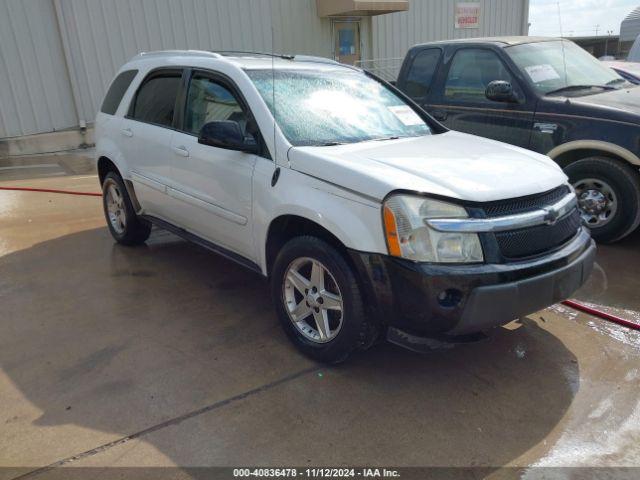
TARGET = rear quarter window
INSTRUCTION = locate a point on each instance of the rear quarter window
(116, 91)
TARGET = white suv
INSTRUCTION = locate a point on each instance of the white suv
(367, 216)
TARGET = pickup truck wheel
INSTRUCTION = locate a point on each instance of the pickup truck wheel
(318, 300)
(608, 195)
(125, 226)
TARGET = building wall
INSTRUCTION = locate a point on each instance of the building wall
(57, 57)
(35, 93)
(429, 20)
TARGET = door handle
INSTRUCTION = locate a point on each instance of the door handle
(126, 132)
(439, 115)
(181, 150)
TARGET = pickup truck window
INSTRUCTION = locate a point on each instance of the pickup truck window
(341, 106)
(155, 101)
(556, 65)
(421, 72)
(470, 73)
(208, 101)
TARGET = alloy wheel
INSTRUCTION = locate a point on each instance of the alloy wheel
(115, 207)
(313, 299)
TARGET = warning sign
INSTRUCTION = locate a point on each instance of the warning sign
(468, 15)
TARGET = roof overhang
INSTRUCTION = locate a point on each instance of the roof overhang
(359, 8)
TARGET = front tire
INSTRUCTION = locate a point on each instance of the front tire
(318, 300)
(125, 226)
(609, 196)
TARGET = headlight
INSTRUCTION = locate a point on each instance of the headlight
(409, 236)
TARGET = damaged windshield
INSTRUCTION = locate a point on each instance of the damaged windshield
(330, 108)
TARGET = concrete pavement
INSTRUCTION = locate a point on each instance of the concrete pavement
(168, 355)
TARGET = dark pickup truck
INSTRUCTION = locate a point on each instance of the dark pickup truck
(546, 95)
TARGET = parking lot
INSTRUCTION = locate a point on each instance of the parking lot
(168, 355)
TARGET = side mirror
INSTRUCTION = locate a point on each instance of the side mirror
(500, 91)
(226, 134)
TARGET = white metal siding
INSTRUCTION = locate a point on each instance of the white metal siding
(429, 20)
(35, 94)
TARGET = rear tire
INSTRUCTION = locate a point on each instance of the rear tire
(609, 195)
(296, 293)
(125, 226)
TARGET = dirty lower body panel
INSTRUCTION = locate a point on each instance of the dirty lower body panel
(428, 299)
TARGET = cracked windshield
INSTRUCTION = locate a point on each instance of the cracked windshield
(327, 108)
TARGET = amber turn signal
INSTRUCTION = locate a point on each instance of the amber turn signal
(391, 232)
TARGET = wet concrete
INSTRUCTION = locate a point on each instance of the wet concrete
(74, 162)
(613, 286)
(167, 355)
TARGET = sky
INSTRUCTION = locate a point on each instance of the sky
(579, 17)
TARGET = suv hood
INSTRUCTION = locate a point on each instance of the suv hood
(625, 100)
(452, 164)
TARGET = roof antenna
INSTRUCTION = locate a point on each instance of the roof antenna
(273, 93)
(564, 57)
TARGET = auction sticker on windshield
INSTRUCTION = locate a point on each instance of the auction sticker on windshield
(406, 115)
(542, 73)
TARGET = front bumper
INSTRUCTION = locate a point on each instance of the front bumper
(429, 299)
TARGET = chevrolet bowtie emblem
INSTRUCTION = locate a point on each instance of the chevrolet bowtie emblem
(551, 215)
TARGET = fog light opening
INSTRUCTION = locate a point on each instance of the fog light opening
(450, 298)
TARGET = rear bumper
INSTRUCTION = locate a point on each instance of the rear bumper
(429, 299)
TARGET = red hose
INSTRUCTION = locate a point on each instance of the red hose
(568, 303)
(49, 190)
(601, 314)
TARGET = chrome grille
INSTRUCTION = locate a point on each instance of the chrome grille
(531, 241)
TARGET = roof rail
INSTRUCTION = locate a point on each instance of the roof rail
(195, 53)
(228, 53)
(314, 59)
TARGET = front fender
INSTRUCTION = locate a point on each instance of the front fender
(355, 221)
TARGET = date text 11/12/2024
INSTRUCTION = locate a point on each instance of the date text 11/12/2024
(315, 473)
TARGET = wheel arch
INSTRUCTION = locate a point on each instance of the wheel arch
(570, 152)
(287, 226)
(106, 165)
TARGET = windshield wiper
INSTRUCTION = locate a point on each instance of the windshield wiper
(579, 87)
(615, 80)
(381, 139)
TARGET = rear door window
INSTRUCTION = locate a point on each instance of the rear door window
(422, 72)
(471, 71)
(116, 91)
(156, 99)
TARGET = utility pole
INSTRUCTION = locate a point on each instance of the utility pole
(597, 28)
(606, 42)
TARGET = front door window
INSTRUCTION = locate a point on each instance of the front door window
(347, 42)
(467, 109)
(470, 73)
(208, 101)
